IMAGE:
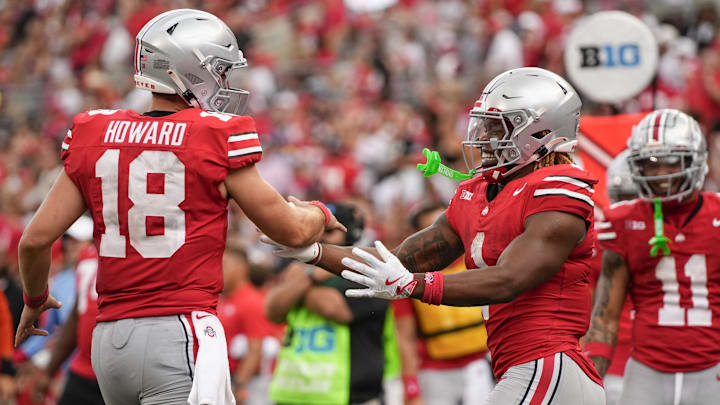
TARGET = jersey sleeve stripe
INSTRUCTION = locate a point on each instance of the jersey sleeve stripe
(65, 146)
(606, 235)
(603, 225)
(545, 192)
(69, 134)
(571, 180)
(243, 137)
(244, 151)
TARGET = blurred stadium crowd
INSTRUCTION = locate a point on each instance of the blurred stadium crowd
(344, 100)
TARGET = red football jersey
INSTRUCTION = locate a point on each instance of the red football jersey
(85, 276)
(623, 347)
(676, 297)
(151, 185)
(553, 316)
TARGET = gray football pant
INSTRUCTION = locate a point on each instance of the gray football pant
(144, 361)
(646, 386)
(468, 385)
(552, 380)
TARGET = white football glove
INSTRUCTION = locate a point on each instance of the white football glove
(387, 279)
(305, 254)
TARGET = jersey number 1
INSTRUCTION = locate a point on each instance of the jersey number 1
(165, 205)
(671, 313)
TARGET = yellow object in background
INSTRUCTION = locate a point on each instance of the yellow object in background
(451, 332)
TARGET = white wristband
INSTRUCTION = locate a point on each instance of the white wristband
(310, 254)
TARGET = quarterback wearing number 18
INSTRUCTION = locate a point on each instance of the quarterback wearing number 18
(157, 187)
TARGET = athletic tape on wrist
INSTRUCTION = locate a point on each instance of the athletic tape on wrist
(36, 302)
(318, 256)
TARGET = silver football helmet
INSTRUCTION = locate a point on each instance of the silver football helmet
(667, 138)
(193, 54)
(620, 183)
(521, 116)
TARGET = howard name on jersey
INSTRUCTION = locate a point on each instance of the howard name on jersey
(151, 184)
(553, 316)
(676, 297)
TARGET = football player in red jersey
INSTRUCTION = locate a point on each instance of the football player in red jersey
(157, 186)
(522, 226)
(620, 187)
(675, 291)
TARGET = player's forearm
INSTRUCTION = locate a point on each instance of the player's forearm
(333, 254)
(601, 364)
(250, 364)
(34, 262)
(609, 299)
(309, 225)
(431, 249)
(476, 287)
(283, 297)
(407, 345)
(603, 331)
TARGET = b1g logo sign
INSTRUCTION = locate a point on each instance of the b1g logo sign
(611, 56)
(623, 55)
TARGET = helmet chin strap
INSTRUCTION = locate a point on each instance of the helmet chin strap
(186, 94)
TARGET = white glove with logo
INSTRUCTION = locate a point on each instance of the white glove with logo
(387, 279)
(307, 254)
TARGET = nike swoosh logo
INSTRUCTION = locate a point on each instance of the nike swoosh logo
(506, 97)
(716, 222)
(516, 192)
(391, 282)
(201, 316)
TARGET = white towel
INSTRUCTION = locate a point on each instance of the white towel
(211, 382)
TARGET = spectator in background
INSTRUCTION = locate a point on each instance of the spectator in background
(7, 369)
(241, 311)
(443, 349)
(334, 345)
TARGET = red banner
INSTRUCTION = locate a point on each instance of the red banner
(600, 139)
